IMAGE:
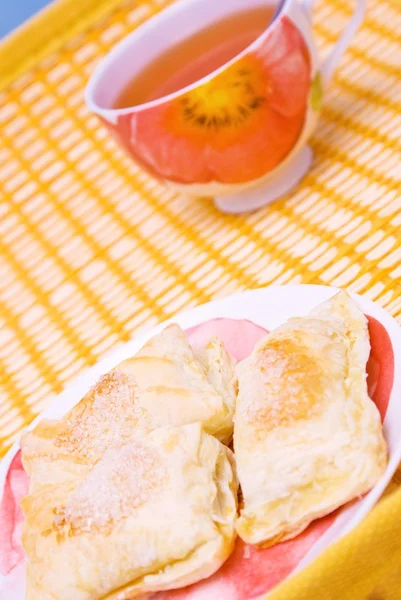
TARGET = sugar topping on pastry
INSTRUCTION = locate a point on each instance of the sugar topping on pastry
(166, 383)
(307, 437)
(154, 514)
(105, 418)
(121, 481)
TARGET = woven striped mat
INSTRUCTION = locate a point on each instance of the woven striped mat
(92, 251)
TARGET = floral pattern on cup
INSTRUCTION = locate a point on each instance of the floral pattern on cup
(234, 128)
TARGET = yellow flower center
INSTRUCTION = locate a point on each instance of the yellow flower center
(228, 99)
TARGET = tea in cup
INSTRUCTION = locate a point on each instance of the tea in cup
(219, 98)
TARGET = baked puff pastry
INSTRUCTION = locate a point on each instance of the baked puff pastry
(307, 436)
(177, 384)
(155, 513)
(166, 383)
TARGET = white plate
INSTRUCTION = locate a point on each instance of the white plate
(268, 307)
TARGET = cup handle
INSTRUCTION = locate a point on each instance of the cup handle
(331, 61)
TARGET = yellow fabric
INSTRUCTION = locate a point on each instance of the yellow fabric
(366, 565)
(92, 251)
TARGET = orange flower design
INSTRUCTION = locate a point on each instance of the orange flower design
(234, 128)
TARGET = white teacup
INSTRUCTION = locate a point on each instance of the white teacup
(278, 80)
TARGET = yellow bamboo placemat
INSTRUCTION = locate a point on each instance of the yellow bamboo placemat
(92, 250)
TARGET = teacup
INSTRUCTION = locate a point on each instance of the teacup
(245, 163)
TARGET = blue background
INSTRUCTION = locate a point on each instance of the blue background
(15, 12)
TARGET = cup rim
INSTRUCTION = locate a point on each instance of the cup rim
(156, 21)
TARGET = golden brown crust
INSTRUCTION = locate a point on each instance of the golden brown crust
(293, 382)
(307, 437)
(155, 513)
(120, 503)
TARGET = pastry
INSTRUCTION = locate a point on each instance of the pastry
(128, 493)
(307, 437)
(177, 384)
(153, 513)
(166, 383)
